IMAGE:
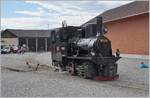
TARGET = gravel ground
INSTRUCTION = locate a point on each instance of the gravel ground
(133, 82)
(19, 60)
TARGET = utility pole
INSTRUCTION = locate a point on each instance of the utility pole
(46, 45)
(48, 26)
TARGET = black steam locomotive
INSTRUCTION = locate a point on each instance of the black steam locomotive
(84, 51)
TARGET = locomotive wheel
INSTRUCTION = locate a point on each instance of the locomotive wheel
(71, 68)
(81, 70)
(86, 70)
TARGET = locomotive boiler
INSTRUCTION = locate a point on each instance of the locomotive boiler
(86, 53)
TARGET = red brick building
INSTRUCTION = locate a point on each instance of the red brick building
(128, 27)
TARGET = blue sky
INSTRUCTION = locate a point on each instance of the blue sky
(21, 14)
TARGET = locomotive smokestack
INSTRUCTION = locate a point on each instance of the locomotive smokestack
(99, 26)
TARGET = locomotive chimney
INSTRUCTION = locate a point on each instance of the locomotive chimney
(99, 26)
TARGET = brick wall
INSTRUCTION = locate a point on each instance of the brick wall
(130, 35)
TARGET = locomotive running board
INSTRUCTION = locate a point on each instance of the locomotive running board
(99, 60)
(80, 58)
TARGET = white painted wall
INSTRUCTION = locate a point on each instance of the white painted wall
(9, 41)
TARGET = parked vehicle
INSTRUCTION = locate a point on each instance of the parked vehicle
(5, 50)
(9, 49)
(14, 49)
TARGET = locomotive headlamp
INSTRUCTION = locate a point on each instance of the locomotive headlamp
(105, 29)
